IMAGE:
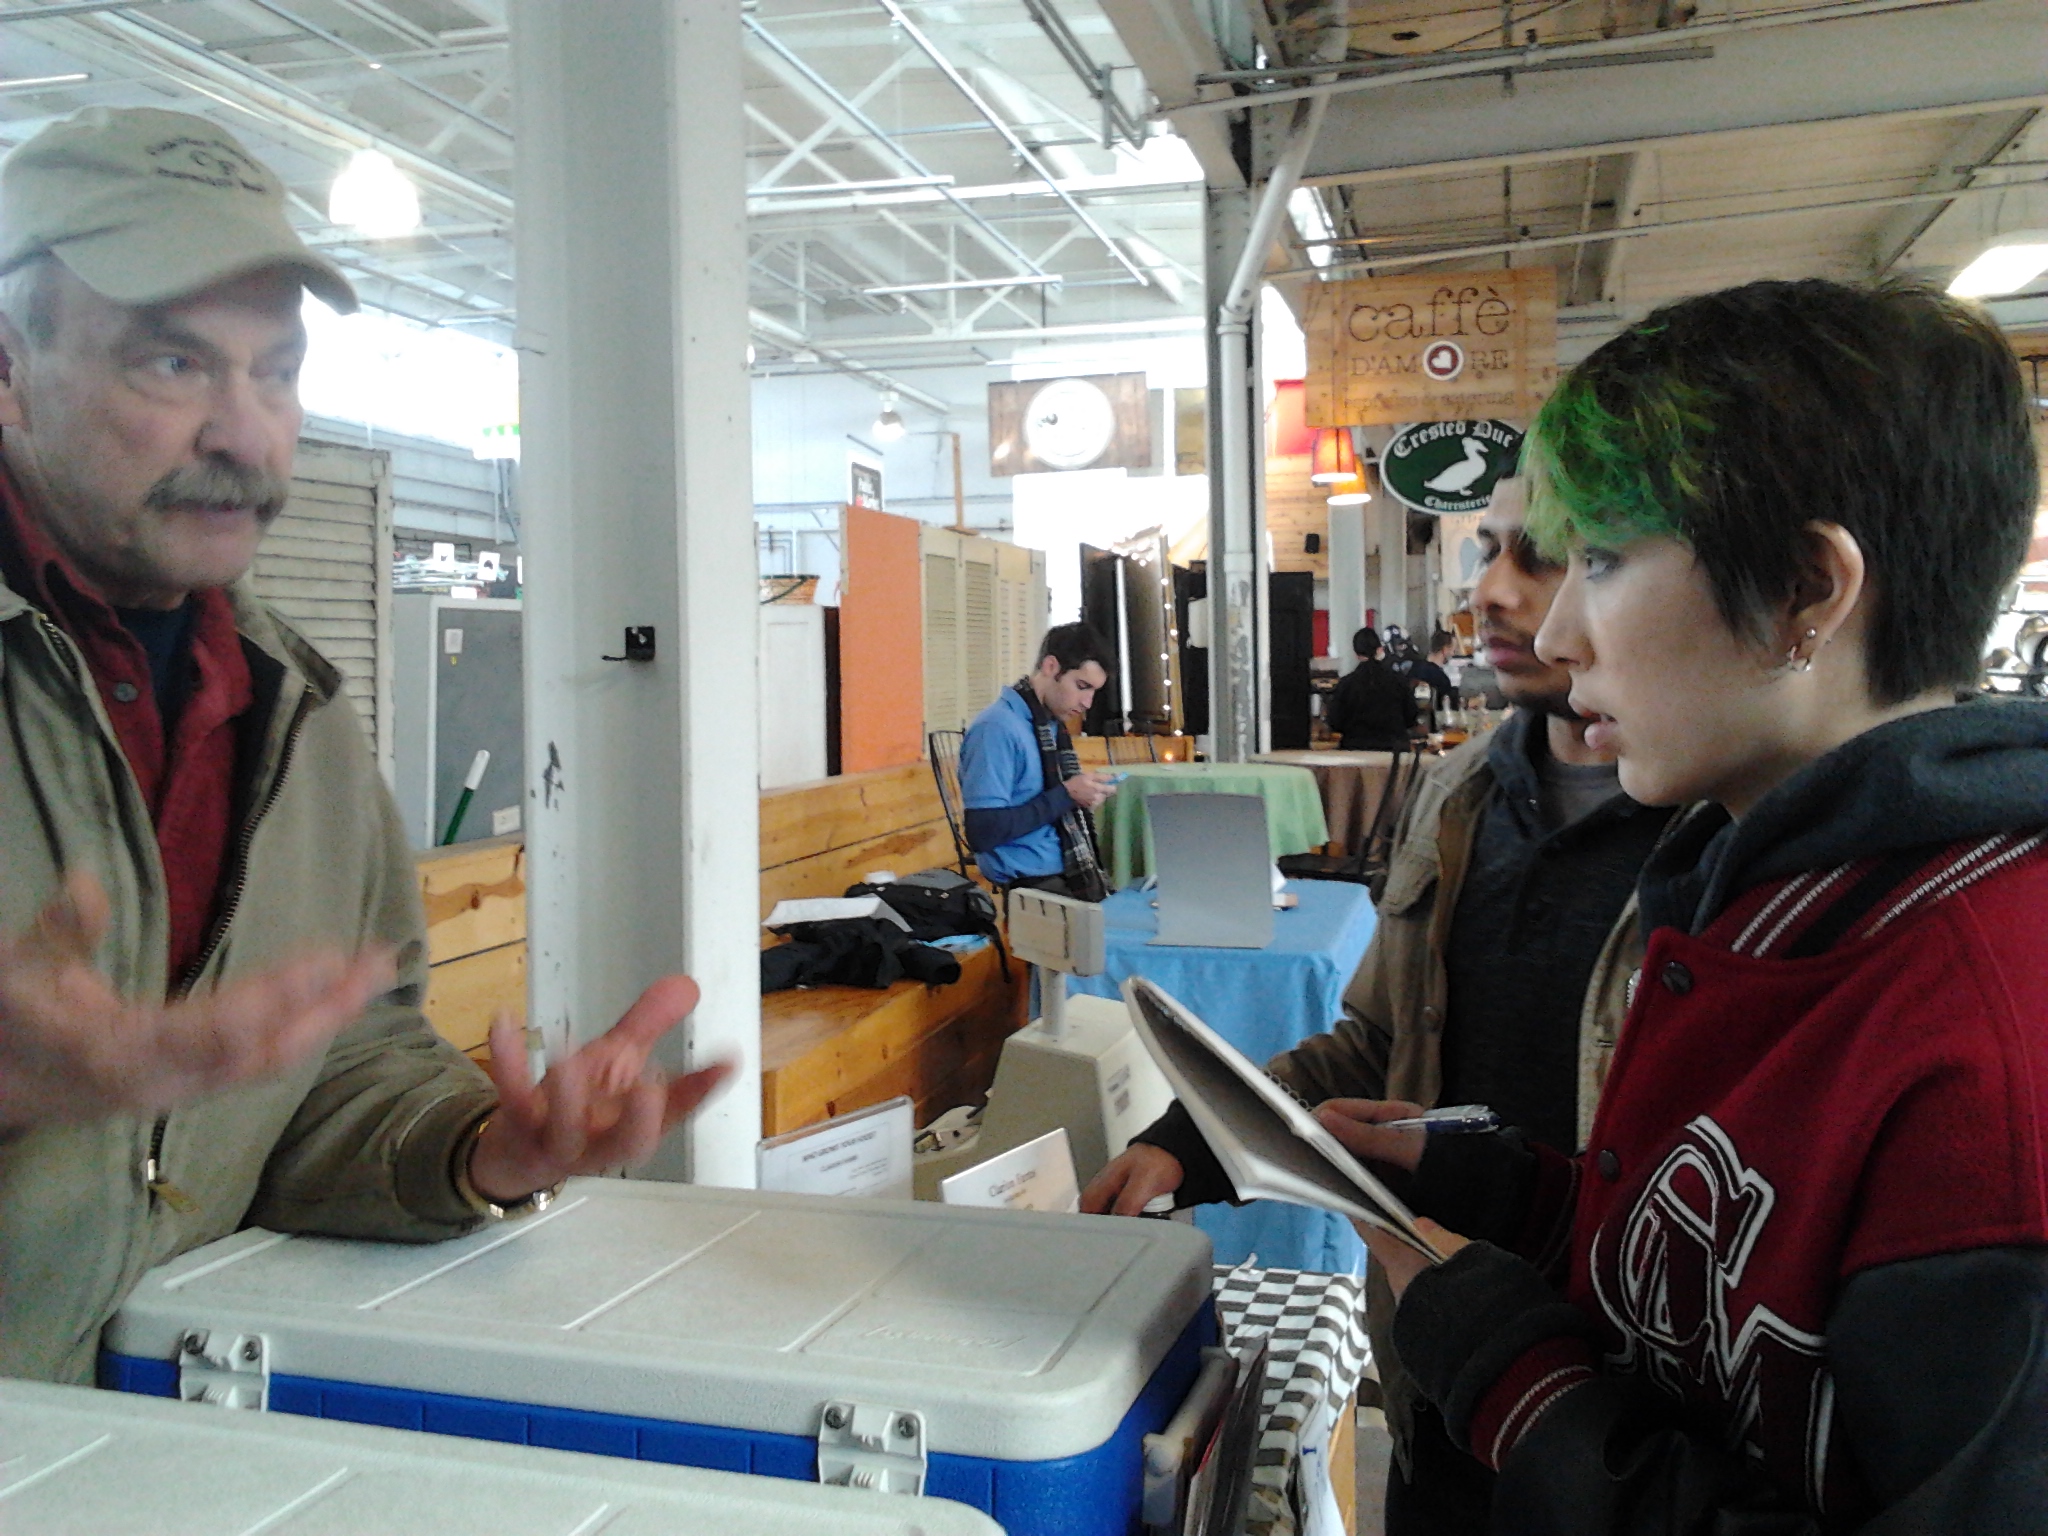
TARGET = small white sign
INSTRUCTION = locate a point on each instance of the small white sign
(865, 1153)
(1038, 1176)
(505, 821)
(451, 642)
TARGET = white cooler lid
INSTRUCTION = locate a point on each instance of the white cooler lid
(1020, 1336)
(78, 1462)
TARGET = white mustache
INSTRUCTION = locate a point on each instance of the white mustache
(221, 483)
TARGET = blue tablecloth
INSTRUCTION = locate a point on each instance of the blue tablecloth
(1262, 1001)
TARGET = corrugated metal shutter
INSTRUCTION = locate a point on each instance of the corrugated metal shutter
(326, 567)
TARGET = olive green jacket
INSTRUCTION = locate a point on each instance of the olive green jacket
(357, 1142)
(1389, 1043)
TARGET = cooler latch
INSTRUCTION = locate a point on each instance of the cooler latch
(864, 1446)
(229, 1370)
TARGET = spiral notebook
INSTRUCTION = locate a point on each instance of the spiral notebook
(1265, 1138)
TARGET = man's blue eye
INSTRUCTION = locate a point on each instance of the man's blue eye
(1601, 562)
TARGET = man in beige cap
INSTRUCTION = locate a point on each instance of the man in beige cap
(211, 946)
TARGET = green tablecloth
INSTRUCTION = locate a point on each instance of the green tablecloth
(1294, 808)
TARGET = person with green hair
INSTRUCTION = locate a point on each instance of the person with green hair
(1797, 1281)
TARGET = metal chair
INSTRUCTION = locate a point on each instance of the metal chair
(944, 747)
(1367, 864)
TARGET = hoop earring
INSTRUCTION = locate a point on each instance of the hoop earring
(1798, 658)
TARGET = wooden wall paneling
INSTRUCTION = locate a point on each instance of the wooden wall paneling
(817, 839)
(1295, 509)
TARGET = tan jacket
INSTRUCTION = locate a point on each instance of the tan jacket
(1389, 1043)
(358, 1142)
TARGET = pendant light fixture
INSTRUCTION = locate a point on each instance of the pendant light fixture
(1332, 457)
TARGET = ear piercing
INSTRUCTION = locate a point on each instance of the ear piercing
(1798, 658)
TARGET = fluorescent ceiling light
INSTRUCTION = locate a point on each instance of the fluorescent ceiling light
(2007, 266)
(37, 82)
(374, 197)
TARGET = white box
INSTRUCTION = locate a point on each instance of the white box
(713, 1327)
(75, 1462)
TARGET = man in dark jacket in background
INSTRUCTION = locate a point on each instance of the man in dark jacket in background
(1372, 709)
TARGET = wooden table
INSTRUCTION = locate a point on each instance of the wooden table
(1294, 810)
(1351, 785)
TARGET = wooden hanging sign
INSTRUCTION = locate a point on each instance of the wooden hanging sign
(1449, 346)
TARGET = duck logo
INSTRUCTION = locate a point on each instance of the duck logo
(1449, 466)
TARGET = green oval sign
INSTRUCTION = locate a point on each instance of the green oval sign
(1449, 466)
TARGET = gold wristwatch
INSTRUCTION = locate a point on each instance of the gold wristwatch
(483, 1205)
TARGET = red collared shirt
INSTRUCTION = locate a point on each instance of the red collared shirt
(186, 776)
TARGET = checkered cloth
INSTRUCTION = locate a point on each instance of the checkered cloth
(1316, 1324)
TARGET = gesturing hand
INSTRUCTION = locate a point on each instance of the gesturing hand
(602, 1107)
(72, 1048)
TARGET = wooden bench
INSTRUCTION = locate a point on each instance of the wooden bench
(824, 1050)
(827, 1050)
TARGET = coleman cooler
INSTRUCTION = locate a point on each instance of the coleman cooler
(1010, 1360)
(75, 1462)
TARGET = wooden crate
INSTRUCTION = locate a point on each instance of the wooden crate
(475, 898)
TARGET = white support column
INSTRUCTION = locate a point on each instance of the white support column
(1239, 678)
(1348, 597)
(643, 817)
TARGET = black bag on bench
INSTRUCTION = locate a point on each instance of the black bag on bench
(853, 952)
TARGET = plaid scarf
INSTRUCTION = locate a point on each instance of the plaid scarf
(1080, 858)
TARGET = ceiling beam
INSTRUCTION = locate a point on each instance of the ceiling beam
(282, 108)
(1982, 139)
(1168, 43)
(1952, 58)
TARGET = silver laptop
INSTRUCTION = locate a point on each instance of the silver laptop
(1215, 869)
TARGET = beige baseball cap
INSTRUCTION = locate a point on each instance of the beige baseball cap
(146, 206)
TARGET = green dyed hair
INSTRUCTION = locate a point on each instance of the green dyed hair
(1733, 420)
(1616, 469)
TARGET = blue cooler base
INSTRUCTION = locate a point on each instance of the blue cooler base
(1096, 1493)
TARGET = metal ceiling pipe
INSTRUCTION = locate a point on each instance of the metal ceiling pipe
(1492, 61)
(1012, 138)
(1638, 231)
(789, 336)
(269, 97)
(497, 131)
(881, 135)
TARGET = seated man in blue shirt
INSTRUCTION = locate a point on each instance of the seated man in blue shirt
(1026, 798)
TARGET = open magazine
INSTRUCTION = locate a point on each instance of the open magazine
(1266, 1140)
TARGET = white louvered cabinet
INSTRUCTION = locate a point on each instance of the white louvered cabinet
(985, 606)
(325, 566)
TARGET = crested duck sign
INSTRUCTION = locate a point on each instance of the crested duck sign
(1449, 466)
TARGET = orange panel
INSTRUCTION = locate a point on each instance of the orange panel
(881, 642)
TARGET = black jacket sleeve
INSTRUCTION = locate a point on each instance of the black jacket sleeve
(1940, 1367)
(1006, 823)
(1203, 1181)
